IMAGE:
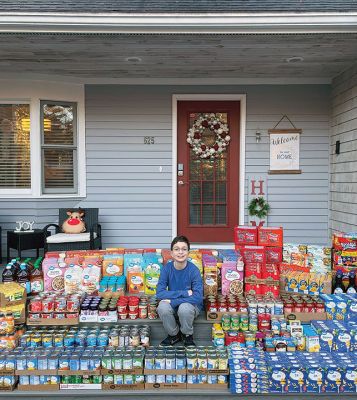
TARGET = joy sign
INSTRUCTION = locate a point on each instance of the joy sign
(24, 226)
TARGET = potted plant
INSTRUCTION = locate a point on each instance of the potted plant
(258, 208)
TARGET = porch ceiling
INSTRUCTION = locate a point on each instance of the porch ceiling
(101, 57)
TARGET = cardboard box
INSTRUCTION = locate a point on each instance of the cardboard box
(19, 294)
(75, 373)
(7, 372)
(134, 386)
(165, 372)
(33, 388)
(52, 321)
(245, 235)
(306, 317)
(19, 319)
(80, 386)
(208, 386)
(132, 371)
(37, 372)
(217, 315)
(165, 386)
(208, 371)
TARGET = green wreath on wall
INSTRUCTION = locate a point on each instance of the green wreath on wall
(258, 207)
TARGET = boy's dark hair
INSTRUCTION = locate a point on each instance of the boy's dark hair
(180, 239)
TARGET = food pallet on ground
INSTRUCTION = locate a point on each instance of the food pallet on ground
(285, 315)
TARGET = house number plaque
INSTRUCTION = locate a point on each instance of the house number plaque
(149, 140)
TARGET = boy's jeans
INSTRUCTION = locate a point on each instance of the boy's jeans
(186, 313)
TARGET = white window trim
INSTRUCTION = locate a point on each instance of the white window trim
(209, 97)
(16, 92)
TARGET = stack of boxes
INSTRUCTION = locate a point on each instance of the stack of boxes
(261, 249)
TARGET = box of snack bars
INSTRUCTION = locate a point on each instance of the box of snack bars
(245, 235)
(270, 236)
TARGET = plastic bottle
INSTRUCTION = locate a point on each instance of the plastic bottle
(8, 275)
(23, 278)
(36, 280)
(351, 288)
(339, 287)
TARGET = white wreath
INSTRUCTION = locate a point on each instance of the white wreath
(216, 125)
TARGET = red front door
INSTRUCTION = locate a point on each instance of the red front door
(207, 187)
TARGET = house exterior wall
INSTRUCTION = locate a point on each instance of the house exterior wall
(131, 182)
(343, 215)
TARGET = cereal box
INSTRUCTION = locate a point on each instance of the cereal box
(53, 274)
(232, 280)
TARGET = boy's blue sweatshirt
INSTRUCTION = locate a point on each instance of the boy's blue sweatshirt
(174, 285)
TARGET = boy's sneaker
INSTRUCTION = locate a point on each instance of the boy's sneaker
(171, 340)
(188, 340)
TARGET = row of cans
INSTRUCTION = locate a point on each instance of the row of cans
(120, 336)
(76, 360)
(127, 379)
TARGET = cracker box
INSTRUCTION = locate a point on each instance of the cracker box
(270, 236)
(245, 235)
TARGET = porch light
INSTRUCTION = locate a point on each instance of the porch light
(258, 136)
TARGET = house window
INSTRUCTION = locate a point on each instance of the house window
(15, 165)
(59, 147)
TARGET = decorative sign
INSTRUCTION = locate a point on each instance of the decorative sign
(257, 187)
(24, 226)
(285, 151)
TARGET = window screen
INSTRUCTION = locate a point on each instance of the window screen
(59, 147)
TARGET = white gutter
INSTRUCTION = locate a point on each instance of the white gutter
(179, 23)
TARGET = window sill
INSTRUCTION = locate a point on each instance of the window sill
(44, 196)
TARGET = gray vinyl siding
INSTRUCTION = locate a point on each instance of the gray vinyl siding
(135, 199)
(344, 165)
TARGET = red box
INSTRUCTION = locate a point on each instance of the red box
(253, 270)
(269, 290)
(271, 270)
(252, 289)
(274, 254)
(345, 242)
(271, 237)
(245, 235)
(253, 254)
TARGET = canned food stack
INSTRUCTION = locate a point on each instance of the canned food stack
(51, 305)
(165, 365)
(248, 372)
(124, 359)
(7, 368)
(203, 360)
(95, 336)
(295, 303)
(8, 332)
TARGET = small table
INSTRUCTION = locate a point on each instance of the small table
(24, 241)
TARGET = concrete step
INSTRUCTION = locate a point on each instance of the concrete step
(201, 335)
